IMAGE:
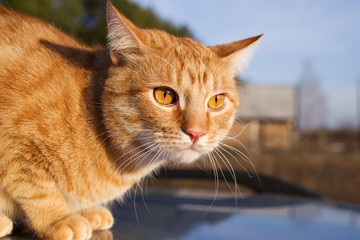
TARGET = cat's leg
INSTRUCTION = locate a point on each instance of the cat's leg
(6, 225)
(46, 208)
(49, 216)
(100, 218)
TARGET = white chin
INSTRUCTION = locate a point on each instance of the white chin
(185, 156)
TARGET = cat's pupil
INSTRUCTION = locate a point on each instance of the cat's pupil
(165, 92)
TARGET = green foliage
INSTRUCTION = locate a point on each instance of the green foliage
(85, 19)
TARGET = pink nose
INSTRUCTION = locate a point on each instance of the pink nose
(195, 134)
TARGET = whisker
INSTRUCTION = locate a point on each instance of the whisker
(238, 152)
(137, 155)
(142, 156)
(143, 199)
(136, 148)
(244, 157)
(237, 161)
(240, 143)
(240, 133)
(216, 176)
(135, 209)
(125, 153)
(153, 148)
(228, 165)
(232, 172)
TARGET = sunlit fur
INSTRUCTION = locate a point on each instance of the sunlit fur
(80, 126)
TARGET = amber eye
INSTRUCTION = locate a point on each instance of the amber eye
(216, 102)
(165, 96)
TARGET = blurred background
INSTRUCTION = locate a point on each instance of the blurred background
(299, 115)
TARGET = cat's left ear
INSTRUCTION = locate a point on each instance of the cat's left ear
(237, 53)
(125, 39)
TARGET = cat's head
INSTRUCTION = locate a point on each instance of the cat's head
(172, 97)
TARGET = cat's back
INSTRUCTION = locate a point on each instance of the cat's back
(34, 51)
(17, 28)
(14, 27)
(29, 46)
(40, 67)
(15, 37)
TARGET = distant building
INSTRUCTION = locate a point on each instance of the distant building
(267, 117)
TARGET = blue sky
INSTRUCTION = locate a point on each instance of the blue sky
(325, 33)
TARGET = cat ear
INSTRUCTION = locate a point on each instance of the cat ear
(237, 53)
(123, 36)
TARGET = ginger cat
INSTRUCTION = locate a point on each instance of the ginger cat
(80, 126)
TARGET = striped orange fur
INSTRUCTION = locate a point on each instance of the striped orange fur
(80, 126)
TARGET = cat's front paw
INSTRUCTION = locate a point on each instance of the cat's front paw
(74, 227)
(99, 218)
(6, 225)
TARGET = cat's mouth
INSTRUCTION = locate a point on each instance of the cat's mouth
(189, 154)
(191, 149)
(178, 152)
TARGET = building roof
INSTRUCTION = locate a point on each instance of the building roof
(267, 103)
